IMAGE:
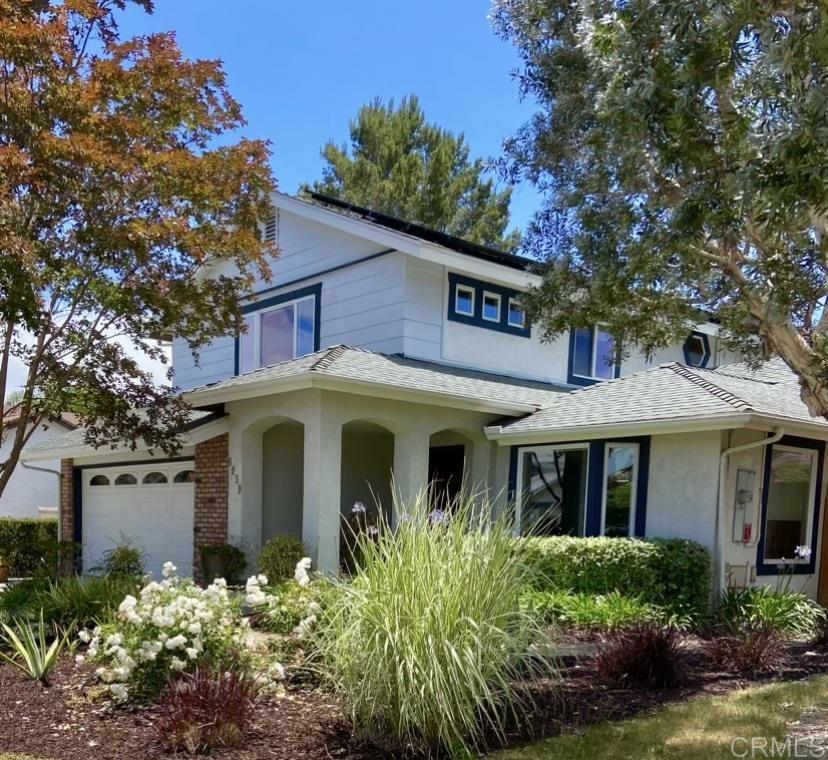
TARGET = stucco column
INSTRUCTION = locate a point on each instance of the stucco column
(410, 464)
(479, 470)
(322, 487)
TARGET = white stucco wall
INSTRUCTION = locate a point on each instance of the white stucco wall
(683, 486)
(28, 490)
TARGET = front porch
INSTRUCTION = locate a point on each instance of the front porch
(297, 461)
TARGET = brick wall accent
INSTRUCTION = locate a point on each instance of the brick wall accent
(211, 494)
(67, 500)
(66, 516)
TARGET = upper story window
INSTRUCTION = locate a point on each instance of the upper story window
(491, 307)
(484, 304)
(516, 316)
(464, 300)
(593, 356)
(279, 329)
(696, 350)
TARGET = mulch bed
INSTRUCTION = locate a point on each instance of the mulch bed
(61, 723)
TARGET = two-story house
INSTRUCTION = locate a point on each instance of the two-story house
(383, 355)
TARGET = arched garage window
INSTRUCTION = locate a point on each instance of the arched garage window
(126, 479)
(154, 479)
(99, 480)
(184, 476)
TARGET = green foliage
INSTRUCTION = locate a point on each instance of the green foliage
(279, 556)
(646, 654)
(402, 165)
(222, 561)
(32, 654)
(124, 560)
(69, 603)
(671, 573)
(787, 612)
(680, 147)
(601, 611)
(429, 644)
(30, 545)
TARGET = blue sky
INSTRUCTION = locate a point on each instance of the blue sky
(302, 69)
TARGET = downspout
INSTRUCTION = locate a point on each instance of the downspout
(721, 533)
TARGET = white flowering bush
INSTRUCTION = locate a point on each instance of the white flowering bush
(170, 628)
(289, 607)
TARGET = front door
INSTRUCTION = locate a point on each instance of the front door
(445, 474)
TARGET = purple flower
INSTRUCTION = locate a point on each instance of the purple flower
(803, 552)
(358, 508)
(373, 531)
(438, 517)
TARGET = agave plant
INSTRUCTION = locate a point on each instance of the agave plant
(31, 653)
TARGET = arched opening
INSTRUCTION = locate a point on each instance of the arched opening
(283, 470)
(367, 465)
(449, 466)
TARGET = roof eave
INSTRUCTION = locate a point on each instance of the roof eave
(310, 379)
(633, 427)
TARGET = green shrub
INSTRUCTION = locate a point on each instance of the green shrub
(69, 603)
(279, 557)
(600, 611)
(222, 561)
(30, 545)
(671, 573)
(124, 560)
(429, 644)
(786, 611)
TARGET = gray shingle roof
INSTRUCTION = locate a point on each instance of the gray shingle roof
(674, 392)
(347, 363)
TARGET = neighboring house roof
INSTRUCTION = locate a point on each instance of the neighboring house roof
(672, 395)
(359, 370)
(426, 233)
(11, 417)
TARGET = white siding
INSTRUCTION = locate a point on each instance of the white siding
(362, 300)
(30, 490)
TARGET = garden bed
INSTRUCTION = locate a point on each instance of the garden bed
(60, 721)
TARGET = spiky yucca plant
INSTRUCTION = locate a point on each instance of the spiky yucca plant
(31, 652)
(429, 644)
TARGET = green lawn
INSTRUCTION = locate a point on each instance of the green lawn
(700, 729)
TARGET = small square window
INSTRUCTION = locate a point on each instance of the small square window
(491, 307)
(464, 300)
(517, 316)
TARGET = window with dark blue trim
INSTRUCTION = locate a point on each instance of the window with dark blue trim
(593, 356)
(584, 488)
(791, 497)
(484, 304)
(696, 350)
(279, 328)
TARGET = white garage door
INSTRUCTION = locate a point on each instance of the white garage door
(149, 506)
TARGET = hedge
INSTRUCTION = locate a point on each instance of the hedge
(672, 573)
(29, 544)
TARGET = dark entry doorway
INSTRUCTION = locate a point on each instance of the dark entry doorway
(445, 474)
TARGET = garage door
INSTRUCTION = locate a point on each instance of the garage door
(149, 506)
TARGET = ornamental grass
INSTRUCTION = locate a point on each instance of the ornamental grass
(429, 644)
